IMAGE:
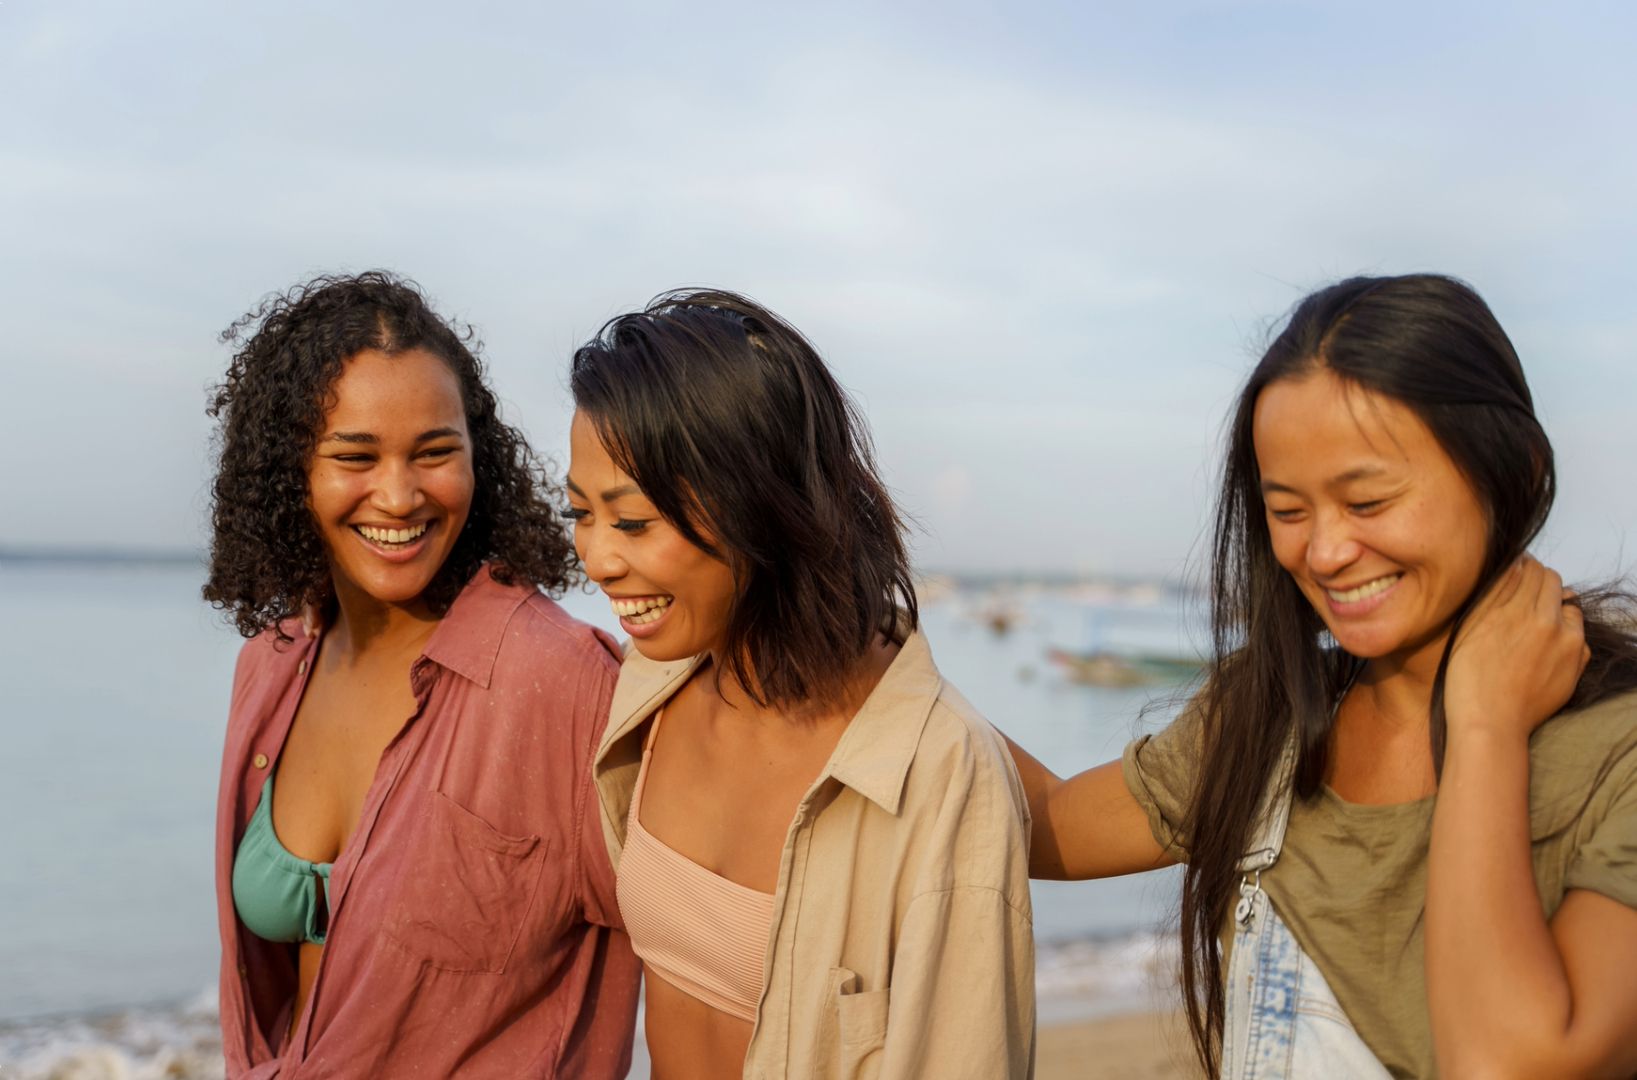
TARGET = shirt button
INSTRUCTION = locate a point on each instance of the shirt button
(243, 971)
(260, 761)
(301, 668)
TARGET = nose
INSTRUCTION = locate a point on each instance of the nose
(599, 553)
(1331, 545)
(397, 490)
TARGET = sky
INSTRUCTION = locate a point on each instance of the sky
(1040, 243)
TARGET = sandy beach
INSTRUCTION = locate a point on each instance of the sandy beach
(1135, 1046)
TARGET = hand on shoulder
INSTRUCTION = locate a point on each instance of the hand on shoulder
(1518, 657)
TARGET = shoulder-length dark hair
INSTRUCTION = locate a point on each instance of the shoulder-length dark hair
(1432, 344)
(731, 424)
(266, 556)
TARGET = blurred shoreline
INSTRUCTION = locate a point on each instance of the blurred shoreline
(1132, 1036)
(133, 670)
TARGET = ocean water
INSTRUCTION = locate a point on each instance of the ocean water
(114, 681)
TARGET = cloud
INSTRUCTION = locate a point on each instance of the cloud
(1040, 246)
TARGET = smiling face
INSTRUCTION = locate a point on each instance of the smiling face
(390, 481)
(672, 597)
(1368, 514)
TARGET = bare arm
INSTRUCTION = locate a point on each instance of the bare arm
(1088, 826)
(1511, 995)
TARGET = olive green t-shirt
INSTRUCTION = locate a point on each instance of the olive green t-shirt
(1351, 882)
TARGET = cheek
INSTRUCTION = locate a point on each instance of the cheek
(1289, 543)
(453, 490)
(329, 494)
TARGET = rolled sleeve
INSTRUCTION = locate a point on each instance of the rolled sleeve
(1607, 862)
(1160, 771)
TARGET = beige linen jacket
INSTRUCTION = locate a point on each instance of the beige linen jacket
(902, 943)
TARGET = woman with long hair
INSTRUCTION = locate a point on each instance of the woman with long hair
(1409, 816)
(822, 849)
(410, 878)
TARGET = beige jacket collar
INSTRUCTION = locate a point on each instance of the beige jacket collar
(874, 754)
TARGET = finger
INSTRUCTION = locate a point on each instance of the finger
(1509, 583)
(1550, 596)
(1532, 578)
(1574, 622)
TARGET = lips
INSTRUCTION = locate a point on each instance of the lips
(396, 544)
(385, 536)
(1357, 601)
(1365, 591)
(639, 610)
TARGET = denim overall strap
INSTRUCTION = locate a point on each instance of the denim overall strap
(1283, 1021)
(1267, 841)
(1268, 838)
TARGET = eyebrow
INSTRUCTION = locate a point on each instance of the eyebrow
(608, 496)
(368, 437)
(1363, 472)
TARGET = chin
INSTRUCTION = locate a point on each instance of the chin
(658, 653)
(396, 591)
(1369, 643)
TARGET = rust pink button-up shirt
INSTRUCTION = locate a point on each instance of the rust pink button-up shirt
(473, 930)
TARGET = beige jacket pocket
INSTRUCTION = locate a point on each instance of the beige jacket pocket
(861, 1025)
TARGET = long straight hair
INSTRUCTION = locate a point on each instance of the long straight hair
(1430, 343)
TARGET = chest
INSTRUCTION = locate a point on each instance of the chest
(726, 803)
(1373, 764)
(343, 724)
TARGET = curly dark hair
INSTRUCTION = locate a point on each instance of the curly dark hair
(266, 555)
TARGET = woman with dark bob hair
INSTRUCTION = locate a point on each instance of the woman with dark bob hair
(1407, 793)
(822, 849)
(428, 891)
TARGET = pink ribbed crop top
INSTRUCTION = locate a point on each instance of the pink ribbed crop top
(700, 932)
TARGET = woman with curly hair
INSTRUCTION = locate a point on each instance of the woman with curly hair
(410, 875)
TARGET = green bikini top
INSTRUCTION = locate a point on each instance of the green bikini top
(272, 889)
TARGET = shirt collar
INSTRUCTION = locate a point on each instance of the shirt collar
(468, 638)
(875, 752)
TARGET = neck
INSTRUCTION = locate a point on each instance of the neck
(1400, 686)
(365, 625)
(732, 694)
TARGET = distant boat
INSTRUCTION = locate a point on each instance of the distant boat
(1000, 620)
(1102, 668)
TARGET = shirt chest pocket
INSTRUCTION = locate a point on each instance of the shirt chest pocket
(860, 1025)
(466, 890)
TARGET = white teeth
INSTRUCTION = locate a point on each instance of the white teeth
(392, 536)
(644, 610)
(1368, 589)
